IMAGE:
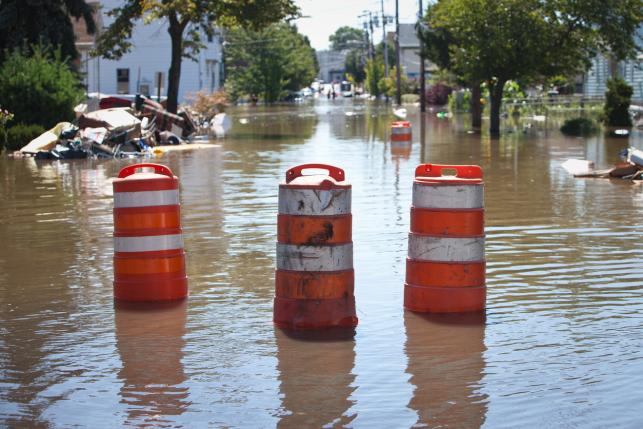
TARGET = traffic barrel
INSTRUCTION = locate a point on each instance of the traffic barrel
(149, 261)
(401, 131)
(445, 268)
(314, 280)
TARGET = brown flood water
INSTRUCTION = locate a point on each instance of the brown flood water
(561, 346)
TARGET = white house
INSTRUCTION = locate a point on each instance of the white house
(148, 61)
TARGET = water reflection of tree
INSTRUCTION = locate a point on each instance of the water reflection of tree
(39, 236)
(445, 362)
(261, 125)
(316, 380)
(361, 121)
(149, 339)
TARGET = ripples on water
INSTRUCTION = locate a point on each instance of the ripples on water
(561, 344)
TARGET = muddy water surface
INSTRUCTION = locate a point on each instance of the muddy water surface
(561, 346)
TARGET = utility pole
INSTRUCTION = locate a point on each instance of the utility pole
(371, 46)
(422, 79)
(384, 40)
(398, 82)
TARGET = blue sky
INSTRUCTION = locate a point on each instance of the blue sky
(326, 16)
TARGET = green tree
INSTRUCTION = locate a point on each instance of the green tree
(188, 21)
(494, 41)
(354, 65)
(347, 38)
(38, 88)
(374, 72)
(269, 63)
(617, 103)
(387, 85)
(44, 22)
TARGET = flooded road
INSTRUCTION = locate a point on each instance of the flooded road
(561, 346)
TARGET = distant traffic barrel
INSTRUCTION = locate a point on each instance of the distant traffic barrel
(314, 278)
(445, 268)
(149, 261)
(401, 131)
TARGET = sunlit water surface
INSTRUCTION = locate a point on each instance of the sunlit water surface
(561, 346)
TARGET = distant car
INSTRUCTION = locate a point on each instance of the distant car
(306, 92)
(346, 88)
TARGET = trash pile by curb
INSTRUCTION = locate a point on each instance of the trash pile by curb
(119, 128)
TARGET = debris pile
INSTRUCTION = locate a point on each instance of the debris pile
(118, 128)
(630, 169)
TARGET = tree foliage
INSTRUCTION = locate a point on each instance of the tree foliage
(24, 23)
(38, 87)
(188, 21)
(354, 65)
(617, 103)
(374, 73)
(495, 41)
(347, 38)
(269, 63)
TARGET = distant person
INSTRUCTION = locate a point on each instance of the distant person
(334, 94)
(328, 94)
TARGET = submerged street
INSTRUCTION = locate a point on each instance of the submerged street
(560, 345)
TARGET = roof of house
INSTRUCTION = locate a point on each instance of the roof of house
(408, 36)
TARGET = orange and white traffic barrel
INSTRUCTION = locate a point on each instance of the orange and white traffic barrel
(445, 268)
(149, 261)
(401, 131)
(314, 279)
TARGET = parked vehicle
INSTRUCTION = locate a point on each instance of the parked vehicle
(346, 88)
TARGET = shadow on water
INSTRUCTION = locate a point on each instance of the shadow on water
(150, 343)
(445, 362)
(315, 372)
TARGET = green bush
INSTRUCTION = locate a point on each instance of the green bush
(579, 127)
(20, 134)
(39, 89)
(410, 98)
(617, 103)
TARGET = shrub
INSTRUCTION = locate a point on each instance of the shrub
(460, 101)
(206, 105)
(5, 117)
(617, 103)
(21, 134)
(39, 89)
(438, 94)
(410, 98)
(579, 127)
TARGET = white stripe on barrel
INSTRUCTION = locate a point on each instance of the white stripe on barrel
(314, 258)
(169, 197)
(428, 196)
(314, 202)
(149, 243)
(429, 248)
(401, 130)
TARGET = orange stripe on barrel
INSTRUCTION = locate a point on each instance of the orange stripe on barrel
(314, 230)
(401, 137)
(314, 285)
(151, 288)
(141, 218)
(315, 313)
(143, 265)
(444, 299)
(445, 274)
(447, 222)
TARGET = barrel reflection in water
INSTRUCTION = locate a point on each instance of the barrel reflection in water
(316, 377)
(149, 338)
(445, 362)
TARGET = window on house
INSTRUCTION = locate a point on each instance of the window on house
(122, 81)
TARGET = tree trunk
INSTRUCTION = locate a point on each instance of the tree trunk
(495, 94)
(174, 74)
(476, 107)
